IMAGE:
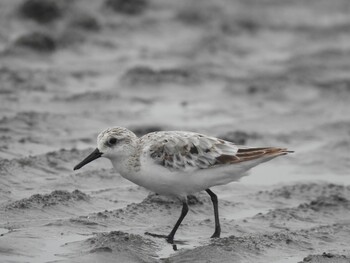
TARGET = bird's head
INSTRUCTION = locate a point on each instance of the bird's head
(112, 143)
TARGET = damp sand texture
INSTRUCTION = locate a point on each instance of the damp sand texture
(254, 72)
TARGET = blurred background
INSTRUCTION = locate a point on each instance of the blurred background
(256, 72)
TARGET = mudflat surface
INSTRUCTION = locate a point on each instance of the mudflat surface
(262, 73)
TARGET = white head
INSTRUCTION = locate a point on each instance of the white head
(114, 144)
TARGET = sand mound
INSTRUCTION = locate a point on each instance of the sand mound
(326, 258)
(56, 197)
(127, 246)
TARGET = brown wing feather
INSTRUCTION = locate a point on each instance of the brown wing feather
(181, 150)
(248, 154)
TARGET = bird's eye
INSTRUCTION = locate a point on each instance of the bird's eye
(112, 141)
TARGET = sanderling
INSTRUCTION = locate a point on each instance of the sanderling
(178, 163)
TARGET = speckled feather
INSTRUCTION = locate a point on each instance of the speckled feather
(181, 150)
(178, 150)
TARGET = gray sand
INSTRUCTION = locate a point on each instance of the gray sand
(261, 73)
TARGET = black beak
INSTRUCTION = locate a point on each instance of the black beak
(93, 156)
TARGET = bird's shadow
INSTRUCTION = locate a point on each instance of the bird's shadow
(173, 243)
(178, 242)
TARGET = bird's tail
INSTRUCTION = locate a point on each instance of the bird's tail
(250, 157)
(248, 154)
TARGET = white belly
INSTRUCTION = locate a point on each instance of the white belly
(182, 183)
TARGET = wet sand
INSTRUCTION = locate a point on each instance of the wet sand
(255, 72)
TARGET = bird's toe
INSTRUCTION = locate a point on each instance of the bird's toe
(215, 235)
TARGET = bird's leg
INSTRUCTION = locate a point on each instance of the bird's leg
(214, 199)
(170, 237)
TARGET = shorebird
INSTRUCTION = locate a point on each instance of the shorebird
(178, 163)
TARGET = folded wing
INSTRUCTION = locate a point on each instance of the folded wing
(185, 150)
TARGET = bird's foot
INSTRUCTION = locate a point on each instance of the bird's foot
(168, 238)
(216, 235)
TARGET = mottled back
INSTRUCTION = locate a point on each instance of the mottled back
(181, 150)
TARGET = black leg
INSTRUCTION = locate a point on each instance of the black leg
(170, 237)
(214, 199)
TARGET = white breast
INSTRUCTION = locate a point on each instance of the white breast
(165, 181)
